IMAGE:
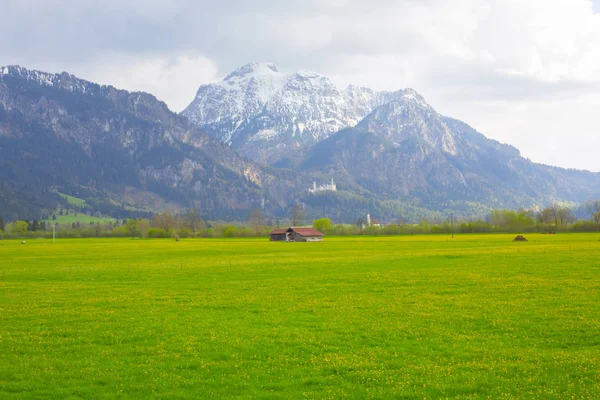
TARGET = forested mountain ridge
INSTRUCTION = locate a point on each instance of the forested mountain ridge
(58, 131)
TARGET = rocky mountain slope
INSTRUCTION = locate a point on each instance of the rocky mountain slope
(406, 150)
(268, 116)
(121, 148)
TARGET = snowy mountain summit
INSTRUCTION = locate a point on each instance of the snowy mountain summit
(267, 115)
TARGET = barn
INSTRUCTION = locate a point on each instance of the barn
(278, 235)
(296, 234)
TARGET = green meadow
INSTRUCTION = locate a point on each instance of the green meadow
(72, 200)
(81, 218)
(477, 316)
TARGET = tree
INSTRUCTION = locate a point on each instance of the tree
(164, 220)
(192, 220)
(20, 227)
(359, 223)
(35, 225)
(53, 217)
(257, 220)
(1, 223)
(545, 216)
(97, 229)
(553, 211)
(144, 227)
(594, 210)
(229, 231)
(511, 220)
(133, 227)
(297, 215)
(565, 216)
(322, 225)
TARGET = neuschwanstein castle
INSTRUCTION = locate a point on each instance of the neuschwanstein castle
(324, 187)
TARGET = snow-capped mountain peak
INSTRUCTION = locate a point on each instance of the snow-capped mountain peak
(267, 115)
(253, 69)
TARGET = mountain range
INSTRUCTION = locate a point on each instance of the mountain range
(258, 139)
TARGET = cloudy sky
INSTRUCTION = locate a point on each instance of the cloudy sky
(523, 72)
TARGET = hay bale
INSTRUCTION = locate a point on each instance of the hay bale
(520, 238)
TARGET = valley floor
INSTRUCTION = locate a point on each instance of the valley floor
(477, 316)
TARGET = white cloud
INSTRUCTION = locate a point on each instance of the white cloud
(171, 79)
(526, 72)
(523, 72)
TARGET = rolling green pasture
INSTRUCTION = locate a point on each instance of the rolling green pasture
(81, 218)
(477, 316)
(75, 201)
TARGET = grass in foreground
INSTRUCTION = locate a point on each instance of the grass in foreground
(413, 317)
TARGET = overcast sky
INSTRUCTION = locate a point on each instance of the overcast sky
(523, 72)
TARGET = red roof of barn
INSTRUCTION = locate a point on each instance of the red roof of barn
(306, 231)
(278, 231)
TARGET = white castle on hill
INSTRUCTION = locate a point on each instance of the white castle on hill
(323, 188)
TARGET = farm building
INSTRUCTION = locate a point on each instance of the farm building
(278, 235)
(296, 234)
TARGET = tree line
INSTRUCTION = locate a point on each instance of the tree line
(552, 219)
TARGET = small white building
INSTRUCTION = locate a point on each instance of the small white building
(372, 222)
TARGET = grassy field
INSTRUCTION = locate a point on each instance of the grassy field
(83, 219)
(75, 201)
(431, 317)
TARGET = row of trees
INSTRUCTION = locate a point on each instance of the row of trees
(190, 224)
(550, 219)
(160, 225)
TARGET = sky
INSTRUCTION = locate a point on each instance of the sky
(524, 72)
